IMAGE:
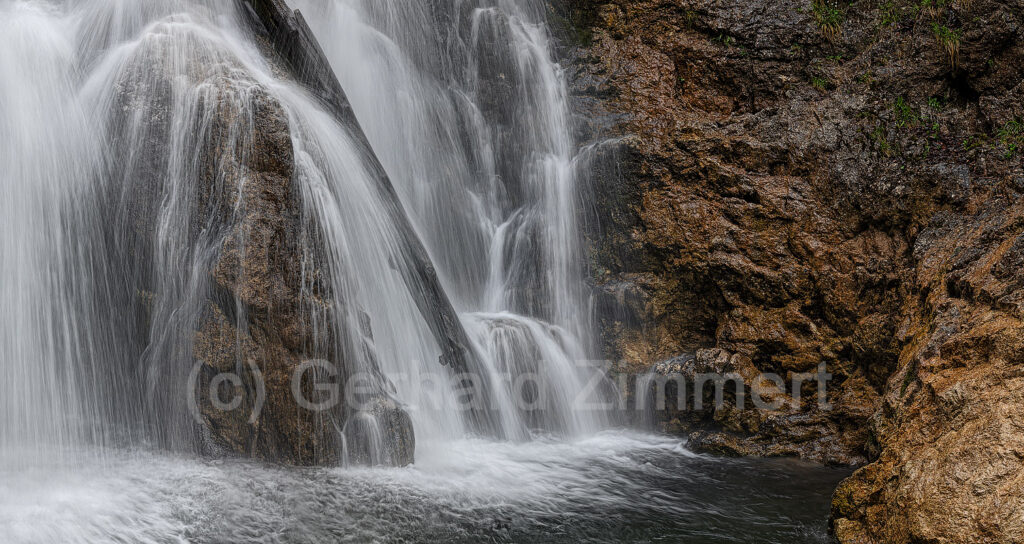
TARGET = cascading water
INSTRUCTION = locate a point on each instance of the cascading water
(45, 158)
(164, 96)
(469, 115)
(133, 145)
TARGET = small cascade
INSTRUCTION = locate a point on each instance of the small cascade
(540, 376)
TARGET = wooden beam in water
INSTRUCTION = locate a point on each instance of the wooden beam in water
(293, 40)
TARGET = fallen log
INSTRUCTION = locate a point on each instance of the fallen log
(293, 40)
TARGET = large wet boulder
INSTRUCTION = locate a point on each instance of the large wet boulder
(235, 329)
(272, 341)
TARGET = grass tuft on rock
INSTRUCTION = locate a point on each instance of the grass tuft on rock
(949, 41)
(829, 18)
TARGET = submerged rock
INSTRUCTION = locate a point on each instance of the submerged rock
(380, 434)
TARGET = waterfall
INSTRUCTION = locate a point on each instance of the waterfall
(131, 131)
(46, 156)
(195, 213)
(469, 114)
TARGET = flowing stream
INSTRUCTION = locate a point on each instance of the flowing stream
(107, 112)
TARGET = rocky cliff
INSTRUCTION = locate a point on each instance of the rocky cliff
(797, 183)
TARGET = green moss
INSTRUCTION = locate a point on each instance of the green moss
(842, 502)
(879, 137)
(933, 9)
(973, 142)
(827, 13)
(945, 34)
(1011, 138)
(1008, 140)
(575, 20)
(906, 117)
(690, 18)
(725, 40)
(889, 14)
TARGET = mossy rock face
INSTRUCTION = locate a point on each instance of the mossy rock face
(800, 194)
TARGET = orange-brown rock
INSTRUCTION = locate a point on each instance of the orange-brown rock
(800, 183)
(951, 431)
